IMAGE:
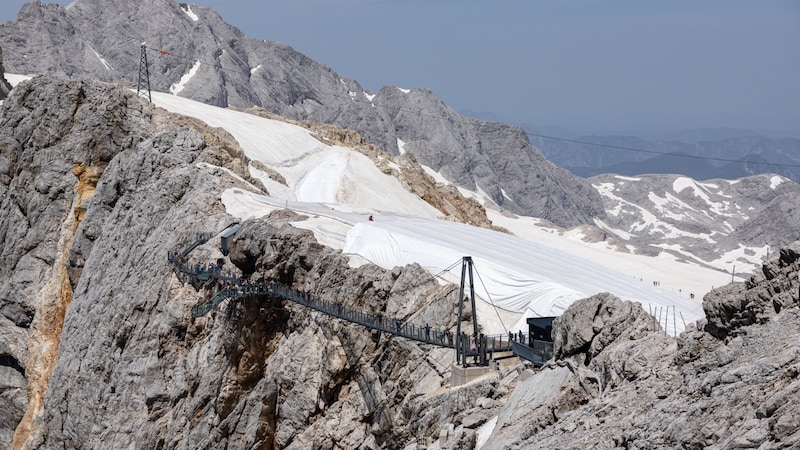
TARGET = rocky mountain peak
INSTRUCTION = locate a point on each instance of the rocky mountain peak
(213, 62)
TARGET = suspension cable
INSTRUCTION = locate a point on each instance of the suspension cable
(489, 296)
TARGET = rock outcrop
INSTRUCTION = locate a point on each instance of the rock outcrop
(757, 300)
(4, 86)
(97, 344)
(619, 382)
(231, 69)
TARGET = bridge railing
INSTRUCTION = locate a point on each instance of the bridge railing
(203, 308)
(536, 352)
(417, 332)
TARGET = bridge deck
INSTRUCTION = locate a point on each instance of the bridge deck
(536, 351)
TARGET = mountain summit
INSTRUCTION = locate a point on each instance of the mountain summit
(193, 53)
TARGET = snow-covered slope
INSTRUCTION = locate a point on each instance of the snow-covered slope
(195, 54)
(339, 188)
(714, 223)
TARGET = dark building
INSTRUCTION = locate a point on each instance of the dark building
(224, 240)
(540, 329)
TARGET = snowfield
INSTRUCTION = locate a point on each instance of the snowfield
(537, 271)
(533, 273)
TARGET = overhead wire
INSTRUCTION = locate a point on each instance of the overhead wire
(656, 152)
(447, 269)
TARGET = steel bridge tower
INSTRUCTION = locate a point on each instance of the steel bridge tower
(466, 345)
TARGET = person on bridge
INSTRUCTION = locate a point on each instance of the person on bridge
(427, 332)
(397, 324)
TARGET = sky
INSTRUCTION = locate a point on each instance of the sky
(580, 64)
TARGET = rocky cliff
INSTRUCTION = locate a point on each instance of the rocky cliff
(4, 86)
(102, 40)
(97, 345)
(98, 348)
(621, 383)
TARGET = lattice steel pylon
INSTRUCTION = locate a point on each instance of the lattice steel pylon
(144, 75)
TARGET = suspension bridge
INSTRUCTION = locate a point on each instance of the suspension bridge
(477, 349)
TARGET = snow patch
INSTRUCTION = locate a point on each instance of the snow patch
(669, 200)
(437, 177)
(776, 181)
(176, 88)
(620, 177)
(404, 91)
(401, 146)
(254, 69)
(484, 432)
(15, 79)
(482, 196)
(190, 13)
(740, 256)
(368, 96)
(682, 183)
(241, 204)
(621, 233)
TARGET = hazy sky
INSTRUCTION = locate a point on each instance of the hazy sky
(581, 64)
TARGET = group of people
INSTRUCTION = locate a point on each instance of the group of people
(241, 286)
(439, 336)
(513, 337)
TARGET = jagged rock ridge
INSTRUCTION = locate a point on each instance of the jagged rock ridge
(621, 383)
(101, 40)
(98, 346)
(705, 219)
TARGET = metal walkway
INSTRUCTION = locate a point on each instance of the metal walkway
(480, 350)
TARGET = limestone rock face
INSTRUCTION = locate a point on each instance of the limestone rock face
(55, 141)
(757, 300)
(596, 322)
(495, 158)
(4, 86)
(97, 344)
(621, 383)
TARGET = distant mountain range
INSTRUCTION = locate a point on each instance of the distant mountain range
(694, 153)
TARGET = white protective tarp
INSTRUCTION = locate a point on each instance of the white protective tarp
(519, 275)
